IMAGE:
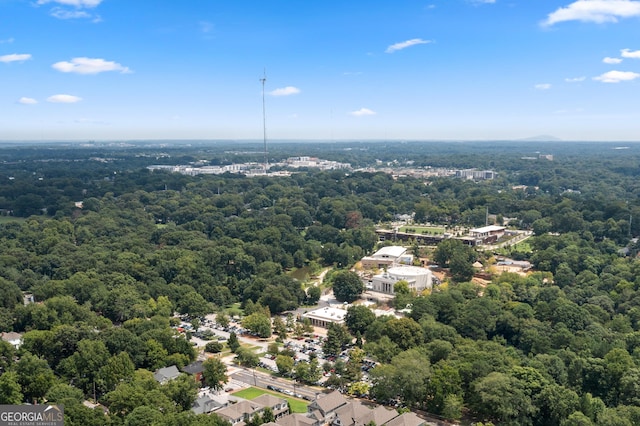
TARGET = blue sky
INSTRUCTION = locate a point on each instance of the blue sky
(335, 69)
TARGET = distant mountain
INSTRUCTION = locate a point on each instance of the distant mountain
(541, 138)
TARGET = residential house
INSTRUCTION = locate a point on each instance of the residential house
(298, 419)
(165, 374)
(325, 406)
(13, 338)
(279, 406)
(195, 369)
(240, 412)
(204, 405)
(407, 419)
(347, 414)
(379, 415)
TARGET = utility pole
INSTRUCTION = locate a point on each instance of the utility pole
(263, 80)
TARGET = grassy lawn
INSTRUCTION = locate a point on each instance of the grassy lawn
(427, 230)
(297, 405)
(522, 247)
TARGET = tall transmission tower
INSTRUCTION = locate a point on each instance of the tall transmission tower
(263, 80)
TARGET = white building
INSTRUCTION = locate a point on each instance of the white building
(387, 256)
(419, 279)
(487, 234)
(13, 338)
(323, 316)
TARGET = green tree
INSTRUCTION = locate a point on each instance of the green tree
(182, 390)
(358, 388)
(313, 295)
(337, 338)
(445, 250)
(358, 319)
(246, 357)
(213, 347)
(404, 332)
(233, 342)
(222, 319)
(34, 376)
(461, 267)
(10, 389)
(280, 328)
(452, 407)
(10, 294)
(556, 403)
(502, 398)
(119, 369)
(284, 364)
(214, 373)
(7, 354)
(193, 304)
(347, 286)
(258, 323)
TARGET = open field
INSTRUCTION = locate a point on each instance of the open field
(425, 230)
(297, 405)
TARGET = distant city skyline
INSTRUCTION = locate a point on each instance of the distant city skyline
(378, 70)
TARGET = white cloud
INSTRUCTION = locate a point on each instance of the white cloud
(633, 54)
(543, 86)
(63, 99)
(285, 91)
(609, 60)
(7, 40)
(89, 66)
(73, 9)
(60, 13)
(617, 76)
(405, 44)
(575, 79)
(598, 11)
(482, 1)
(15, 57)
(27, 101)
(75, 3)
(362, 112)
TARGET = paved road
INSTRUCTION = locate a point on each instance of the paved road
(261, 380)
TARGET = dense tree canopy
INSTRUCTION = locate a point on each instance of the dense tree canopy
(347, 286)
(557, 346)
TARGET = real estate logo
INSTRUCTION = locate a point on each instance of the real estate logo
(31, 415)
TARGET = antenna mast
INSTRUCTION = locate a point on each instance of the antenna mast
(263, 80)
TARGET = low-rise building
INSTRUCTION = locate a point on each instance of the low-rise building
(204, 405)
(195, 369)
(326, 405)
(165, 374)
(324, 316)
(13, 338)
(407, 419)
(237, 414)
(386, 257)
(419, 279)
(487, 234)
(298, 419)
(279, 406)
